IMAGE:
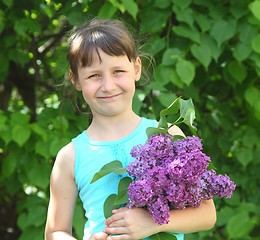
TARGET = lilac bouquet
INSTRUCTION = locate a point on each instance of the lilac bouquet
(173, 175)
(169, 172)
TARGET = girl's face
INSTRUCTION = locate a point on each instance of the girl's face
(108, 85)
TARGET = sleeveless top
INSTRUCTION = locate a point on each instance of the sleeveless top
(90, 157)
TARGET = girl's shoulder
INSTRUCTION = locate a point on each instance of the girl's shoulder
(65, 159)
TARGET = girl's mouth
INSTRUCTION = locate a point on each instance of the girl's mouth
(109, 97)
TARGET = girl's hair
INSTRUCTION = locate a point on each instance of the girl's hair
(111, 36)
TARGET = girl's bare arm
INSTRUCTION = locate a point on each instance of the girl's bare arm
(63, 196)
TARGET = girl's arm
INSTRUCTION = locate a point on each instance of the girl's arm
(137, 223)
(63, 196)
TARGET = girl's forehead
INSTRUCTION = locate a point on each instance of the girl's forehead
(98, 56)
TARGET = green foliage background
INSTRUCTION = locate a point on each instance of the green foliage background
(206, 50)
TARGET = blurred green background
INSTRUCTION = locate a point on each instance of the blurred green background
(205, 50)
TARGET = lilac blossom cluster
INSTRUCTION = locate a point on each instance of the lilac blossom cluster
(173, 175)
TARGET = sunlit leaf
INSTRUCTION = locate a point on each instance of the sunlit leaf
(202, 53)
(187, 112)
(256, 43)
(20, 134)
(153, 131)
(186, 71)
(112, 167)
(109, 205)
(131, 7)
(122, 191)
(255, 8)
(107, 10)
(223, 31)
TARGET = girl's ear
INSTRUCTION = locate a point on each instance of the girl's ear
(74, 82)
(138, 69)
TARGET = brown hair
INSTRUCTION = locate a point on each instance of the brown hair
(111, 36)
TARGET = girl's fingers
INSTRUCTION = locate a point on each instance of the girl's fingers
(119, 214)
(98, 236)
(116, 230)
(118, 223)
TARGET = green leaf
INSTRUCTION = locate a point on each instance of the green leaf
(186, 71)
(19, 118)
(184, 15)
(244, 156)
(107, 11)
(182, 3)
(211, 166)
(172, 109)
(33, 25)
(109, 205)
(112, 167)
(39, 175)
(131, 7)
(21, 27)
(239, 8)
(247, 33)
(122, 196)
(166, 74)
(56, 144)
(154, 131)
(39, 130)
(171, 56)
(8, 3)
(240, 225)
(165, 98)
(163, 122)
(187, 32)
(237, 70)
(9, 164)
(203, 21)
(20, 134)
(223, 31)
(162, 3)
(163, 236)
(252, 95)
(36, 215)
(255, 8)
(202, 53)
(153, 20)
(242, 51)
(79, 219)
(18, 56)
(75, 18)
(42, 148)
(256, 43)
(32, 233)
(155, 45)
(187, 112)
(212, 45)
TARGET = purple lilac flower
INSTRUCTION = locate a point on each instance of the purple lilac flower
(173, 175)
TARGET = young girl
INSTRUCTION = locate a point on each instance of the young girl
(105, 65)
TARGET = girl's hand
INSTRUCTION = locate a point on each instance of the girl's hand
(131, 224)
(98, 236)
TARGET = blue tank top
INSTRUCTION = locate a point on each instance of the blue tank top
(90, 157)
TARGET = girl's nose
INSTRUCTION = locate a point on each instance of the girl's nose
(108, 84)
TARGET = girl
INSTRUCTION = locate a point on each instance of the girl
(104, 66)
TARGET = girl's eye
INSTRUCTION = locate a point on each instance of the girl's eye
(93, 76)
(118, 71)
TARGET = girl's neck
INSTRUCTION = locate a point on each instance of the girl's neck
(110, 128)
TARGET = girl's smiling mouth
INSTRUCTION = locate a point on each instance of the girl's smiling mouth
(110, 97)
